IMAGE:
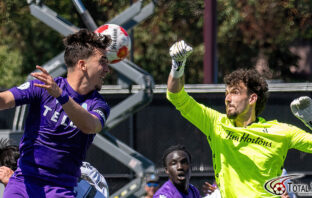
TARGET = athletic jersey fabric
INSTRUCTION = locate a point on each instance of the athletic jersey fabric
(94, 178)
(244, 158)
(52, 147)
(168, 190)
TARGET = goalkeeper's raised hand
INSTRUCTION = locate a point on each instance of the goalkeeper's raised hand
(179, 51)
(302, 109)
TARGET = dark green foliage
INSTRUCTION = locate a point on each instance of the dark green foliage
(247, 30)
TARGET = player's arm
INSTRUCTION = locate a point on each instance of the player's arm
(179, 52)
(85, 121)
(6, 100)
(199, 115)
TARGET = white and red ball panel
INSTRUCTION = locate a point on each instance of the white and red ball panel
(121, 42)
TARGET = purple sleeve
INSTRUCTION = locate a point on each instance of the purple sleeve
(196, 191)
(26, 93)
(101, 110)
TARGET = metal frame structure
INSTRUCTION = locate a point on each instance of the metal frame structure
(127, 69)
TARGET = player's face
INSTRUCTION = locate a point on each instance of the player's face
(178, 168)
(97, 69)
(151, 188)
(237, 100)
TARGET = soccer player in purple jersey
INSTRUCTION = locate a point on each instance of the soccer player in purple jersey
(177, 161)
(64, 116)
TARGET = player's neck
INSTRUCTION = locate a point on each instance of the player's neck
(243, 121)
(78, 85)
(183, 188)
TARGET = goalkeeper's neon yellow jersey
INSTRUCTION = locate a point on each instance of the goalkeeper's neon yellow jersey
(244, 158)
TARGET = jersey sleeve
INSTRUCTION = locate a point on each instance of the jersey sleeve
(101, 110)
(27, 93)
(199, 115)
(300, 139)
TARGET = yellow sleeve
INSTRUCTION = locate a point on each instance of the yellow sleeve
(199, 115)
(300, 140)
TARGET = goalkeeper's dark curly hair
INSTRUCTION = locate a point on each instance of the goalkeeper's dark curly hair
(82, 45)
(254, 82)
(177, 147)
(9, 154)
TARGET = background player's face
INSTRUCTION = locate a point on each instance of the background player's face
(97, 69)
(151, 188)
(178, 168)
(237, 100)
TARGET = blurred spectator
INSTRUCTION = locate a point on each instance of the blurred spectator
(8, 160)
(151, 185)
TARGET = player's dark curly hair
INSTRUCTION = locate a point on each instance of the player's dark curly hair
(82, 45)
(254, 82)
(8, 154)
(177, 147)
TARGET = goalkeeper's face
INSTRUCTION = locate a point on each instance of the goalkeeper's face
(237, 102)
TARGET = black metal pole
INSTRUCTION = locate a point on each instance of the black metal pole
(210, 59)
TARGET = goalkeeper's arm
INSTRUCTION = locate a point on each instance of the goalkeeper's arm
(302, 109)
(179, 53)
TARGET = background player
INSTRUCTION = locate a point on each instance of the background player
(177, 162)
(247, 150)
(8, 160)
(64, 115)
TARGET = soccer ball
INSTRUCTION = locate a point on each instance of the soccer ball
(121, 43)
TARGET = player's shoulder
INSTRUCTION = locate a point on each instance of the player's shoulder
(59, 80)
(165, 191)
(283, 126)
(195, 190)
(162, 196)
(262, 121)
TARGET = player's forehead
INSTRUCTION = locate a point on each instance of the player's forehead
(176, 156)
(100, 54)
(240, 85)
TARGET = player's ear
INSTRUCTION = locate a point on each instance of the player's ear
(81, 64)
(253, 98)
(166, 170)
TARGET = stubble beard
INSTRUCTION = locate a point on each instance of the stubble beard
(232, 115)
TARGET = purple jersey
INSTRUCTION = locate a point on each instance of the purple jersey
(168, 190)
(52, 147)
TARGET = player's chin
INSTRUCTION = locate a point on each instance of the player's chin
(231, 115)
(180, 182)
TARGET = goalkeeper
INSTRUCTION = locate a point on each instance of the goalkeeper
(247, 150)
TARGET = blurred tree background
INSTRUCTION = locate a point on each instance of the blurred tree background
(250, 33)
